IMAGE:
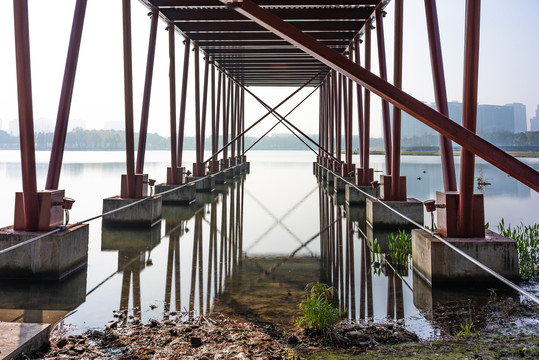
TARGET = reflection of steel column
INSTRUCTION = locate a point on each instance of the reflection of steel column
(383, 74)
(128, 94)
(147, 94)
(172, 86)
(390, 294)
(370, 310)
(168, 280)
(363, 280)
(136, 294)
(26, 118)
(469, 116)
(399, 299)
(60, 132)
(232, 231)
(222, 256)
(200, 263)
(177, 275)
(126, 287)
(183, 99)
(193, 270)
(213, 237)
(340, 249)
(351, 257)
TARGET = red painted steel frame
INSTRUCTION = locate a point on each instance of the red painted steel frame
(386, 125)
(147, 94)
(397, 81)
(204, 107)
(397, 97)
(338, 117)
(60, 131)
(183, 99)
(469, 115)
(446, 147)
(197, 103)
(215, 143)
(26, 121)
(367, 107)
(128, 93)
(172, 86)
(359, 90)
(350, 121)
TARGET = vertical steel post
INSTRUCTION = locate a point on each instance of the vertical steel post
(213, 109)
(183, 99)
(469, 115)
(344, 87)
(350, 122)
(397, 81)
(438, 76)
(383, 74)
(217, 113)
(338, 117)
(147, 94)
(332, 113)
(26, 120)
(203, 114)
(60, 132)
(367, 108)
(172, 86)
(128, 94)
(225, 121)
(197, 106)
(242, 107)
(359, 91)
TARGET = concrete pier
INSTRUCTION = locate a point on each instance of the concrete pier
(355, 213)
(53, 257)
(203, 184)
(379, 215)
(437, 264)
(357, 197)
(16, 338)
(143, 214)
(339, 184)
(184, 194)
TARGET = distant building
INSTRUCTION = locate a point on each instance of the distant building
(495, 118)
(519, 113)
(534, 121)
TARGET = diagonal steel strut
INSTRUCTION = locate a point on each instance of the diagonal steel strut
(432, 118)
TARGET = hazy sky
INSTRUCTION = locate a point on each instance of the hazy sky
(509, 55)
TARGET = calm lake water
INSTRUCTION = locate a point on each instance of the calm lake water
(248, 249)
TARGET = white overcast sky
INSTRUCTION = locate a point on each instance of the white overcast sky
(509, 55)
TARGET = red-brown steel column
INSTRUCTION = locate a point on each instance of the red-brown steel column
(128, 94)
(396, 191)
(26, 120)
(344, 88)
(242, 114)
(338, 118)
(469, 115)
(183, 100)
(225, 121)
(233, 96)
(438, 76)
(350, 166)
(383, 74)
(200, 160)
(60, 132)
(359, 91)
(332, 115)
(215, 144)
(197, 107)
(147, 94)
(172, 85)
(367, 108)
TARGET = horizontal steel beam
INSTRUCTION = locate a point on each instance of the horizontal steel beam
(247, 35)
(190, 27)
(217, 3)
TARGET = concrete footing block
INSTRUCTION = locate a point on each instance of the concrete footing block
(355, 213)
(340, 185)
(357, 197)
(53, 257)
(16, 338)
(219, 177)
(184, 194)
(330, 179)
(204, 184)
(437, 264)
(379, 215)
(143, 214)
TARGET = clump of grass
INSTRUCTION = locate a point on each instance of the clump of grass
(317, 312)
(400, 248)
(527, 239)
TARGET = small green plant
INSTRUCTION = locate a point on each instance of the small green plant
(317, 313)
(527, 239)
(400, 248)
(467, 330)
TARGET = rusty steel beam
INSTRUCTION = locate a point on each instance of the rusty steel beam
(62, 118)
(469, 115)
(350, 121)
(128, 94)
(338, 117)
(432, 118)
(359, 100)
(197, 104)
(396, 192)
(440, 94)
(172, 87)
(183, 99)
(386, 125)
(26, 117)
(147, 94)
(365, 151)
(215, 143)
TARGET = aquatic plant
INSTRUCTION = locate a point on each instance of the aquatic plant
(527, 239)
(317, 312)
(400, 248)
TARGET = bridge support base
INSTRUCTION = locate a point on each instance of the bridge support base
(380, 216)
(339, 184)
(184, 195)
(143, 214)
(438, 264)
(53, 257)
(356, 197)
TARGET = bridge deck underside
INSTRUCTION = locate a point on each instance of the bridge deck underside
(255, 56)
